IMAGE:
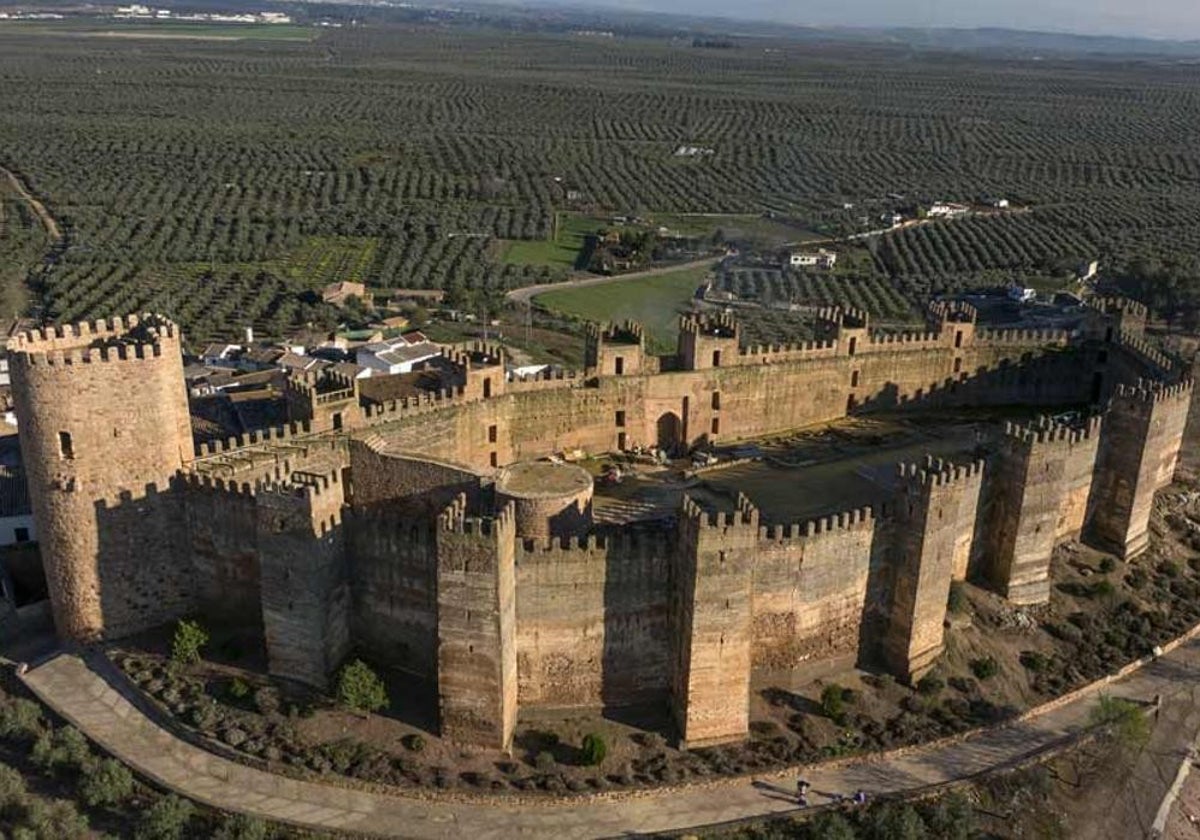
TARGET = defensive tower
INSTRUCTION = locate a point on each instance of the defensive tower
(102, 409)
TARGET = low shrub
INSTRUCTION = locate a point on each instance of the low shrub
(20, 719)
(833, 703)
(545, 762)
(242, 827)
(1107, 565)
(189, 639)
(108, 783)
(166, 819)
(594, 749)
(238, 689)
(360, 689)
(930, 684)
(14, 792)
(57, 819)
(985, 667)
(1034, 661)
(64, 748)
(414, 742)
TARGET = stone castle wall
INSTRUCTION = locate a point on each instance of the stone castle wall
(377, 524)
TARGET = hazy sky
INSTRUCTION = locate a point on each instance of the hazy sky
(1156, 18)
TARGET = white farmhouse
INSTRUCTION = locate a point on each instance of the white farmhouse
(813, 259)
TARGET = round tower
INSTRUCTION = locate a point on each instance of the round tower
(550, 500)
(103, 418)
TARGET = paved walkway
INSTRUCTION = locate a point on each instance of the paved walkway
(99, 707)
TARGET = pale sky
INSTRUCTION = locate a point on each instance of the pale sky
(1176, 19)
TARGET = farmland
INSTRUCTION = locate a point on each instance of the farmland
(653, 301)
(224, 181)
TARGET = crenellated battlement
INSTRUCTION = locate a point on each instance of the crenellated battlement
(780, 353)
(146, 328)
(455, 518)
(302, 485)
(626, 332)
(1110, 304)
(1046, 430)
(718, 325)
(936, 472)
(857, 519)
(881, 341)
(1023, 335)
(252, 439)
(216, 485)
(1131, 340)
(953, 311)
(547, 380)
(745, 514)
(477, 355)
(423, 403)
(625, 541)
(1153, 393)
(853, 318)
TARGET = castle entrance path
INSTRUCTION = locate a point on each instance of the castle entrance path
(87, 691)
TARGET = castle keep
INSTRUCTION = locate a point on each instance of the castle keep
(425, 532)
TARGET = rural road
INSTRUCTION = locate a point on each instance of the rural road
(93, 697)
(525, 294)
(39, 209)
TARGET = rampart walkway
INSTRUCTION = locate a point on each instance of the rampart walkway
(96, 702)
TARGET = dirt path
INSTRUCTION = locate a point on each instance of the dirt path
(91, 695)
(48, 221)
(527, 293)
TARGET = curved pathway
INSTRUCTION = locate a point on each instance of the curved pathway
(97, 701)
(39, 209)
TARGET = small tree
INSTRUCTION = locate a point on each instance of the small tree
(166, 819)
(109, 783)
(833, 703)
(1123, 719)
(242, 827)
(360, 689)
(190, 638)
(55, 818)
(21, 719)
(594, 749)
(14, 792)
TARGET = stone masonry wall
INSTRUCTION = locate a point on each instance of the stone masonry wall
(592, 620)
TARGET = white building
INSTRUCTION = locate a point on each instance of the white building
(947, 210)
(813, 259)
(395, 355)
(1021, 294)
(1088, 270)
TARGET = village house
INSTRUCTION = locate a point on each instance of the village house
(340, 292)
(821, 258)
(395, 355)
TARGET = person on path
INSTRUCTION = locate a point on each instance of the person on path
(860, 797)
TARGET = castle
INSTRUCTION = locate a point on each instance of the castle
(425, 532)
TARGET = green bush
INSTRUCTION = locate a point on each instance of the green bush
(1107, 564)
(14, 792)
(64, 748)
(109, 783)
(1034, 661)
(985, 667)
(594, 749)
(1123, 718)
(190, 638)
(242, 827)
(930, 684)
(545, 762)
(833, 703)
(832, 826)
(360, 689)
(414, 742)
(1102, 589)
(239, 689)
(166, 819)
(21, 719)
(52, 820)
(951, 818)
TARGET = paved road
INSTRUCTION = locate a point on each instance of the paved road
(527, 293)
(96, 702)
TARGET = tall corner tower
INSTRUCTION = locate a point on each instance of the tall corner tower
(104, 424)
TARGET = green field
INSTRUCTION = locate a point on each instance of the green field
(562, 251)
(656, 302)
(770, 232)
